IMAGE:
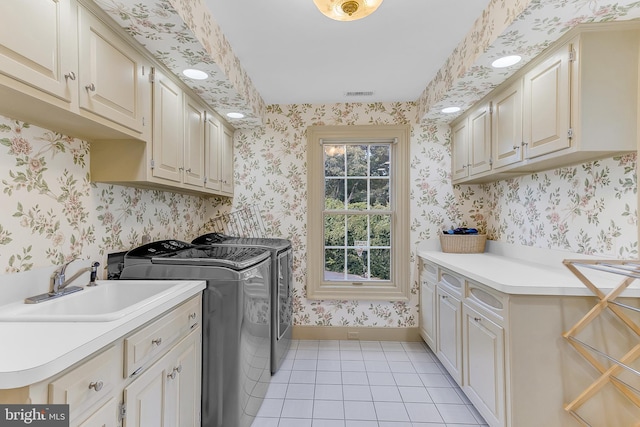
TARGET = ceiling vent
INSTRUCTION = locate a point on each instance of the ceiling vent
(361, 93)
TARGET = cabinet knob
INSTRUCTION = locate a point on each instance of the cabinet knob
(477, 319)
(180, 169)
(443, 296)
(189, 170)
(91, 87)
(156, 341)
(192, 316)
(524, 144)
(515, 147)
(172, 375)
(70, 76)
(178, 368)
(96, 385)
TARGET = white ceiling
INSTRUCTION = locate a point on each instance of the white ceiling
(294, 54)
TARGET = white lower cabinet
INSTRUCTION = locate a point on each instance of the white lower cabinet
(149, 377)
(483, 364)
(167, 394)
(449, 332)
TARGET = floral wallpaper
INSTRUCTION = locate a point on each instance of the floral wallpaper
(183, 34)
(589, 208)
(52, 213)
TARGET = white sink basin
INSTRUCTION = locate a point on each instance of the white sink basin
(108, 301)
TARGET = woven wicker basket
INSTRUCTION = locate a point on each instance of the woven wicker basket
(463, 243)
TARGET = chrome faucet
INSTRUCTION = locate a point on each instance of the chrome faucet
(59, 283)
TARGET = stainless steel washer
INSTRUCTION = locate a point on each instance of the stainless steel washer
(281, 286)
(236, 320)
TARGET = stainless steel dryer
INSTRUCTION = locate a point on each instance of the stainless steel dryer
(236, 320)
(281, 286)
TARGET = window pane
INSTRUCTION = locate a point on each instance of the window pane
(379, 160)
(380, 230)
(334, 160)
(357, 265)
(380, 264)
(357, 194)
(357, 160)
(379, 193)
(334, 193)
(334, 264)
(357, 229)
(334, 230)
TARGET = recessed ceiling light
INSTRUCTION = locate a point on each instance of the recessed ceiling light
(235, 115)
(506, 61)
(195, 74)
(449, 110)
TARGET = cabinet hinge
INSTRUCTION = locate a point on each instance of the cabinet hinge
(153, 163)
(122, 411)
(205, 180)
(572, 54)
(152, 75)
(143, 71)
(490, 108)
(570, 133)
(490, 161)
(143, 124)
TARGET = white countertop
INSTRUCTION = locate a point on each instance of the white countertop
(529, 272)
(34, 351)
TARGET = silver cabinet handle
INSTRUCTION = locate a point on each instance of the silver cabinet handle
(91, 87)
(70, 76)
(189, 170)
(180, 168)
(477, 319)
(172, 375)
(178, 368)
(157, 341)
(96, 385)
(515, 147)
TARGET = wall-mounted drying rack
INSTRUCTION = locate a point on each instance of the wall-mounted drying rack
(608, 374)
(244, 222)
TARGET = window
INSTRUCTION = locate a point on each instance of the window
(358, 246)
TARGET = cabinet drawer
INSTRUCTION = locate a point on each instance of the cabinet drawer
(429, 272)
(451, 281)
(489, 302)
(88, 383)
(152, 340)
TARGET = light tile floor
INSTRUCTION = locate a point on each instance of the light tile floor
(364, 384)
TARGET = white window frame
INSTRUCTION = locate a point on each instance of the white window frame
(396, 289)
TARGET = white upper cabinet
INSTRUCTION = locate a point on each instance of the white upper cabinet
(111, 74)
(576, 102)
(37, 46)
(546, 124)
(194, 141)
(480, 159)
(507, 125)
(63, 68)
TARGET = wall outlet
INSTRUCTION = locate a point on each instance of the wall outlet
(353, 336)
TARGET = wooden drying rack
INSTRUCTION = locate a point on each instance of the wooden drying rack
(631, 270)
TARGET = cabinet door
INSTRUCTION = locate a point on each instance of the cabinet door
(37, 45)
(460, 150)
(506, 125)
(168, 142)
(212, 152)
(226, 167)
(484, 380)
(110, 74)
(449, 333)
(428, 312)
(144, 399)
(183, 384)
(193, 143)
(105, 416)
(480, 140)
(546, 106)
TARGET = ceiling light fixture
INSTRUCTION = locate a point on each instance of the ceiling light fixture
(506, 61)
(233, 115)
(195, 74)
(449, 110)
(347, 10)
